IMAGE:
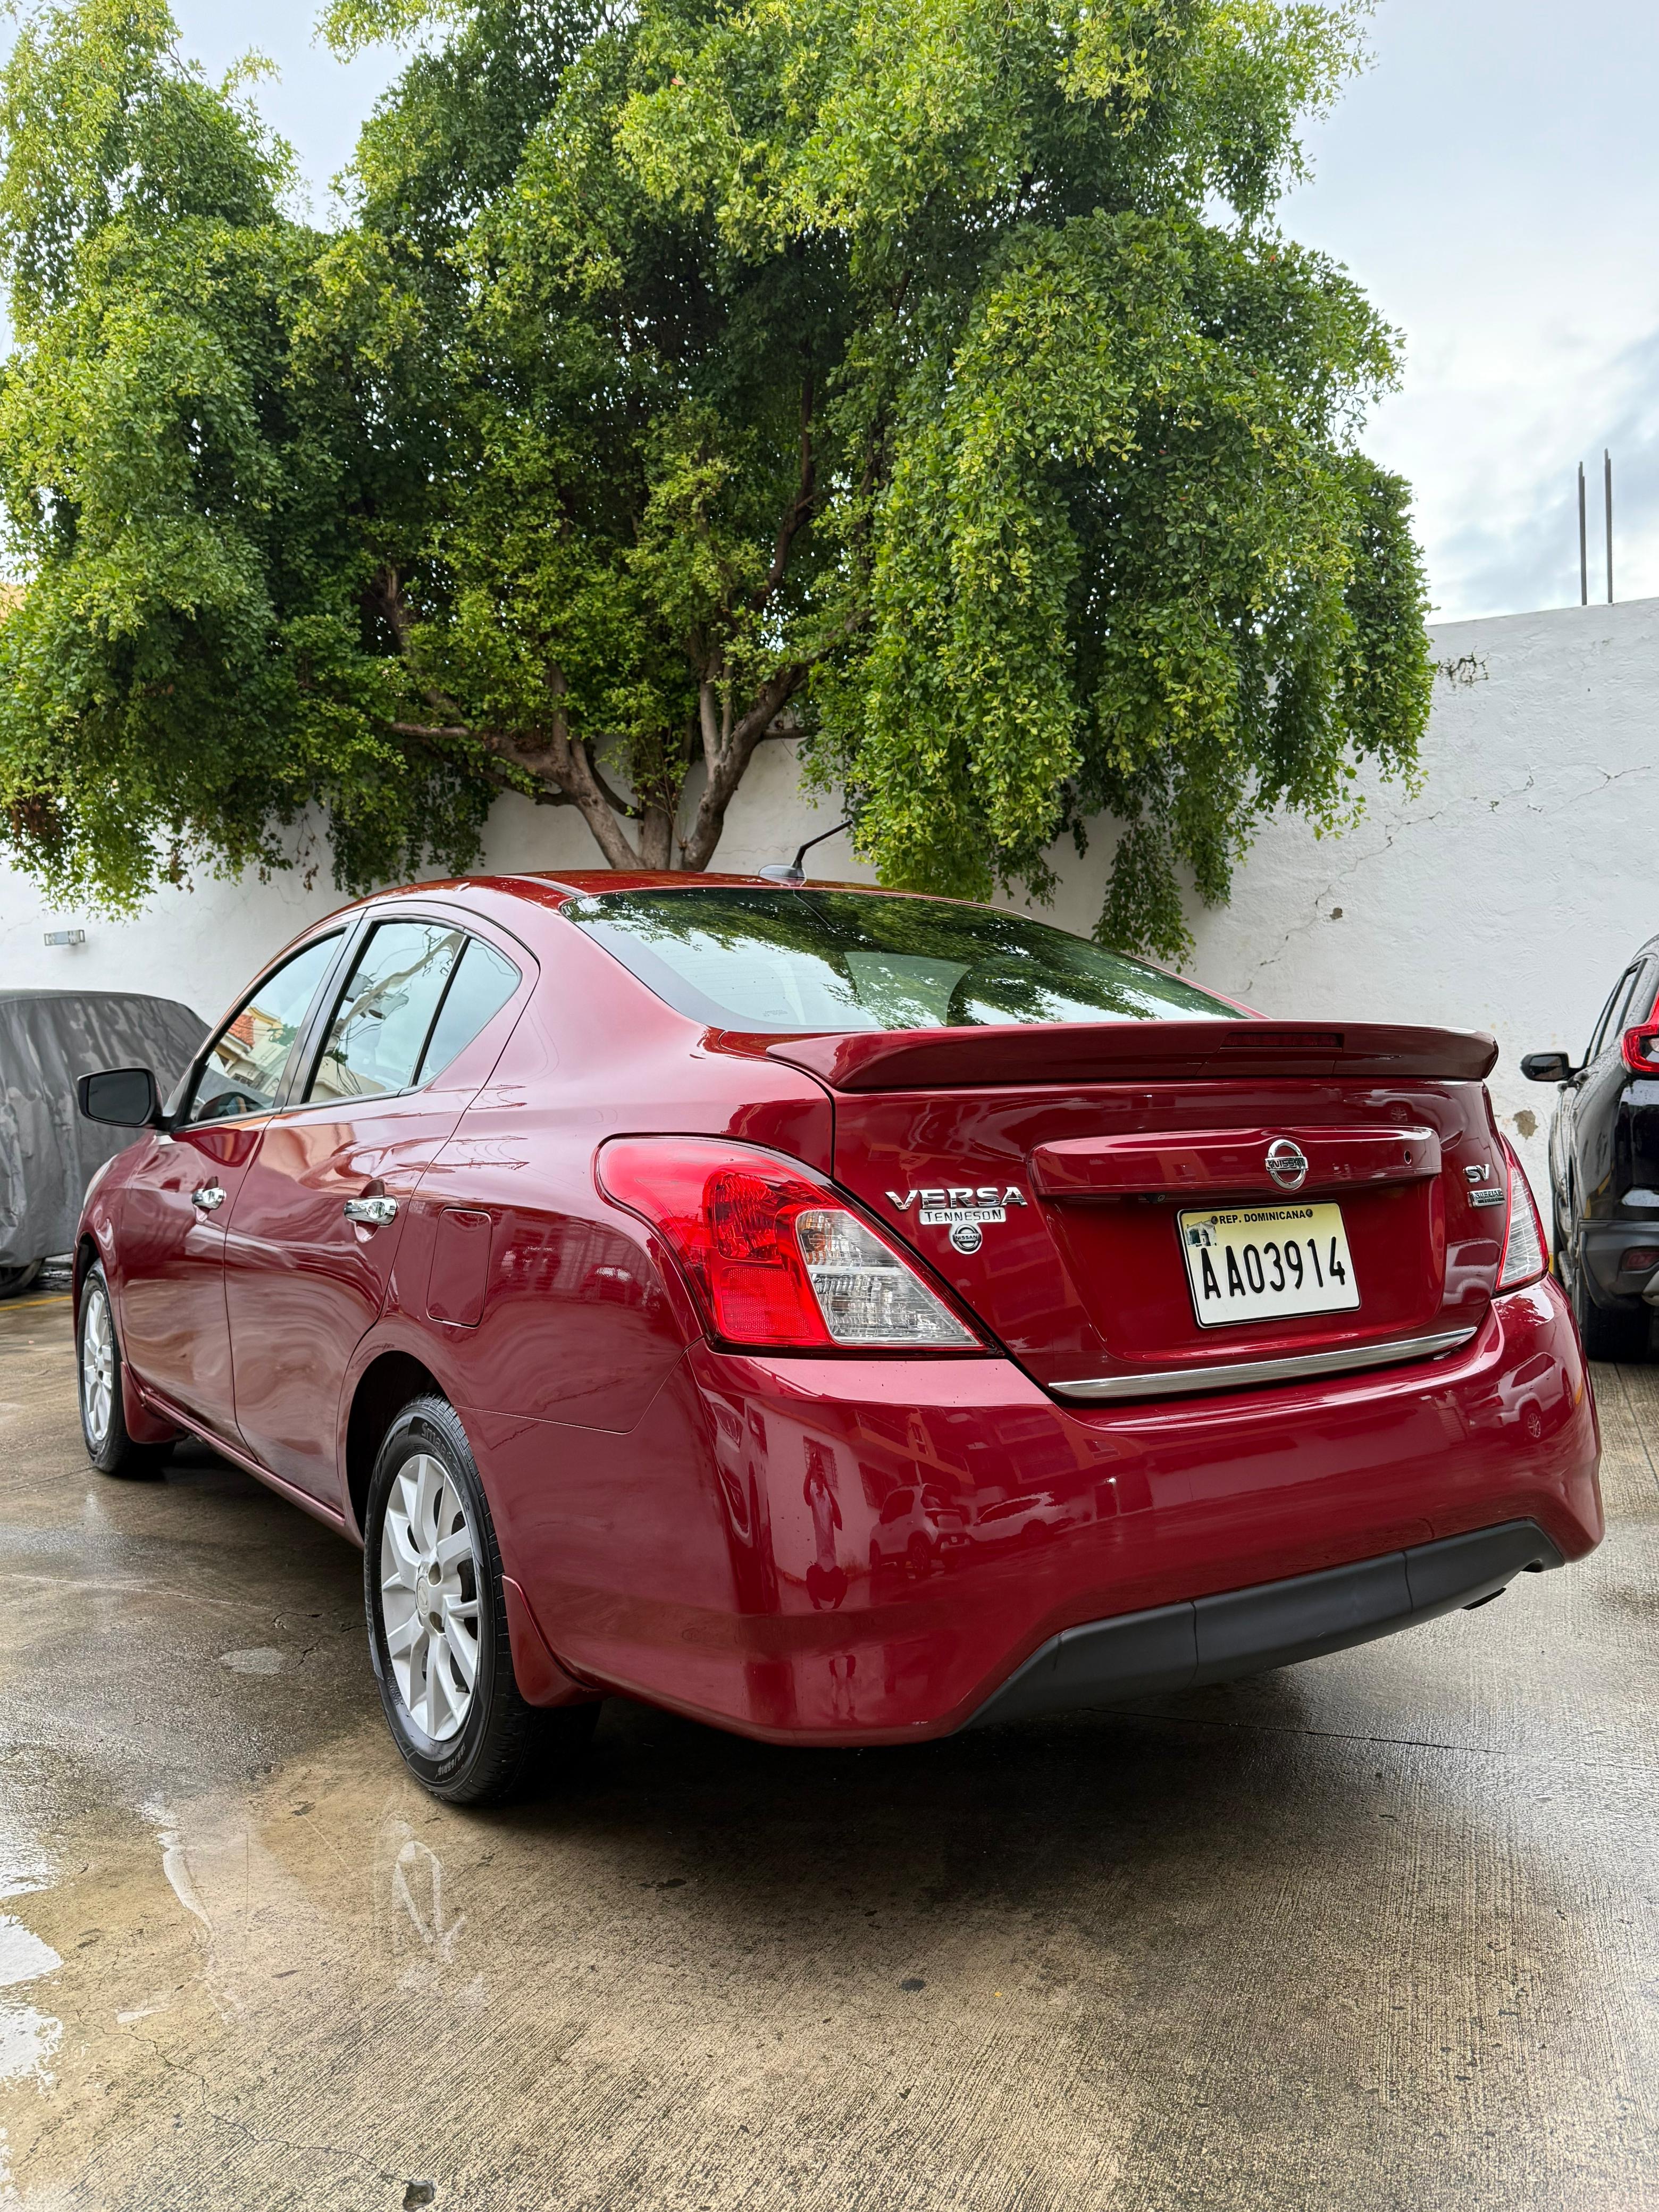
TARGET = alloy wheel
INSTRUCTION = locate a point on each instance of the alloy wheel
(430, 1584)
(98, 1366)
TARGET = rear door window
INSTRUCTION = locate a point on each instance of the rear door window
(484, 980)
(386, 1011)
(418, 993)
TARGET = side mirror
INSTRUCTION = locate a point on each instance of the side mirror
(124, 1097)
(1547, 1067)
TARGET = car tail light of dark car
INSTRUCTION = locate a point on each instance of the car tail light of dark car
(1526, 1254)
(774, 1258)
(1640, 1047)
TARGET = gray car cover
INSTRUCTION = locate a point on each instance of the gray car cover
(48, 1041)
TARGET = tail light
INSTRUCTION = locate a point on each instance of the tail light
(1640, 1047)
(773, 1257)
(1526, 1254)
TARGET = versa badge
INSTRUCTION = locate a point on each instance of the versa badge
(965, 1209)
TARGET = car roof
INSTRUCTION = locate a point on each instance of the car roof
(586, 882)
(534, 885)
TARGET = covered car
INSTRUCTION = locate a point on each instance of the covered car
(48, 1041)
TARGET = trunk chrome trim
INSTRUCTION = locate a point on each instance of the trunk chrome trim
(1187, 1382)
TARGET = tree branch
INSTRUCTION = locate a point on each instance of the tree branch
(726, 767)
(556, 763)
(800, 511)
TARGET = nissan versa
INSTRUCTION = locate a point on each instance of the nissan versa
(839, 1316)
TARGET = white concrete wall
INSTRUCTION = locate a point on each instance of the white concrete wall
(1511, 891)
(1506, 896)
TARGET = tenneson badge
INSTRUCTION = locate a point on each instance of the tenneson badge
(960, 1205)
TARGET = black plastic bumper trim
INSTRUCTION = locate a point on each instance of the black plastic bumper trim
(1246, 1632)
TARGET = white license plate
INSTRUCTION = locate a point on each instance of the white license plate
(1257, 1262)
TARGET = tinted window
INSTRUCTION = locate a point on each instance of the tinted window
(385, 1013)
(1600, 1030)
(483, 983)
(1633, 1006)
(795, 960)
(1613, 1023)
(244, 1070)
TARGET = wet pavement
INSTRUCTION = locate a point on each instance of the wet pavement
(1376, 1932)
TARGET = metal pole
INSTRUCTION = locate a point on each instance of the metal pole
(1584, 544)
(1607, 463)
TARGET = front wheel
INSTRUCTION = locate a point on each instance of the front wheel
(103, 1413)
(437, 1623)
(14, 1282)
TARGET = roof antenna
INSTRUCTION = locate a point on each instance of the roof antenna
(792, 872)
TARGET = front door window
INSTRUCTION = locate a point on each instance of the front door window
(243, 1073)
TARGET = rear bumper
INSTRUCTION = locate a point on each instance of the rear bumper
(727, 1558)
(1221, 1639)
(1602, 1246)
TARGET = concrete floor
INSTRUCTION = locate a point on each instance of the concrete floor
(1378, 1932)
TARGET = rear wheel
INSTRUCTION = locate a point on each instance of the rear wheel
(103, 1414)
(14, 1282)
(437, 1623)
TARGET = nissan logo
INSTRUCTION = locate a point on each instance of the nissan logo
(1287, 1164)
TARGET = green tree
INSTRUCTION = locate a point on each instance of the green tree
(926, 377)
(185, 500)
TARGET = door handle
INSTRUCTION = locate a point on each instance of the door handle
(373, 1213)
(209, 1199)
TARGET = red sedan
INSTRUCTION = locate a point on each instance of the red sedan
(841, 1316)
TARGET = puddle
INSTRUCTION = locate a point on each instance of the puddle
(28, 2037)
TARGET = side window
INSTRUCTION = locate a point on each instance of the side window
(243, 1071)
(1610, 1024)
(1600, 1031)
(481, 987)
(379, 1035)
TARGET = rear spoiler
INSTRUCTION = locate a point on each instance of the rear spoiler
(1136, 1052)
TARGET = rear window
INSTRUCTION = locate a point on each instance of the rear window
(802, 960)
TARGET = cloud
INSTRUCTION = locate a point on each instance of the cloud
(1491, 182)
(1526, 554)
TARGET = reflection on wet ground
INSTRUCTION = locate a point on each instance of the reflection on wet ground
(1376, 1933)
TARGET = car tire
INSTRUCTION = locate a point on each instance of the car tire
(1618, 1333)
(436, 1617)
(1560, 1250)
(14, 1282)
(103, 1408)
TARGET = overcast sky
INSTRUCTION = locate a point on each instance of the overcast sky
(1491, 183)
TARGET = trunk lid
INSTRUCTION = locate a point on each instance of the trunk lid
(1088, 1159)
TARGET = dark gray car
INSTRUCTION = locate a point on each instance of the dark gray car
(48, 1041)
(1604, 1165)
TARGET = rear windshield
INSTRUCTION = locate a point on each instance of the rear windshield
(795, 960)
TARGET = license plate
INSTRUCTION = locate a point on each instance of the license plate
(1259, 1262)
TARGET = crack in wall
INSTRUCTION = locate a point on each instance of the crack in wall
(1413, 821)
